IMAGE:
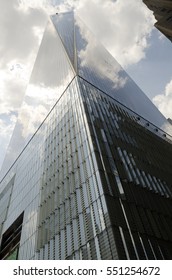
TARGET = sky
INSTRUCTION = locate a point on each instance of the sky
(125, 28)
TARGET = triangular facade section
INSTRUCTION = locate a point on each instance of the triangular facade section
(51, 75)
(64, 24)
(97, 66)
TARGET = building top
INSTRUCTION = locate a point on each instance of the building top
(72, 50)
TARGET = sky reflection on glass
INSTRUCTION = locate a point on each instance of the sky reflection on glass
(96, 65)
(51, 74)
(75, 51)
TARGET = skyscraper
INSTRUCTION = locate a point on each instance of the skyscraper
(163, 14)
(94, 180)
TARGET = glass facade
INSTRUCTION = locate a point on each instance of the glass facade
(94, 181)
(51, 74)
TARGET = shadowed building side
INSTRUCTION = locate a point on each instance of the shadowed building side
(162, 10)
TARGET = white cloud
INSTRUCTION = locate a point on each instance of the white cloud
(30, 118)
(11, 90)
(122, 26)
(19, 41)
(48, 6)
(164, 101)
(95, 57)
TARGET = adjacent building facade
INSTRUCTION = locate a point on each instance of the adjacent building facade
(94, 181)
(162, 10)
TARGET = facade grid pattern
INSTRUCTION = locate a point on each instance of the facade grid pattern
(94, 181)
